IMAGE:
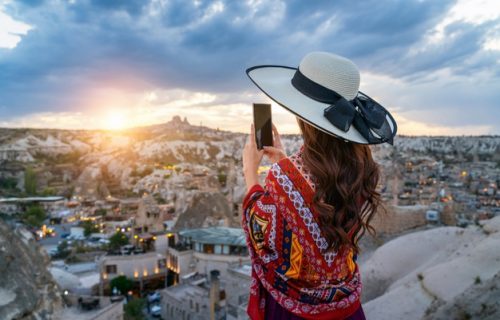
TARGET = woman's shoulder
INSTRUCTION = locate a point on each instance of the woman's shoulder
(290, 174)
(295, 164)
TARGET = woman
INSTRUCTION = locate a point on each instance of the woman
(304, 224)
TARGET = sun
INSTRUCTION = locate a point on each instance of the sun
(115, 121)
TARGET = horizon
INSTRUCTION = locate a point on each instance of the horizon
(129, 129)
(434, 67)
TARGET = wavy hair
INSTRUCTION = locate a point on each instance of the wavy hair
(346, 178)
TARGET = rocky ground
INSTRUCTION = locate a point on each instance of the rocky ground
(440, 273)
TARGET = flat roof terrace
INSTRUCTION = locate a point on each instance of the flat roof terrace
(215, 235)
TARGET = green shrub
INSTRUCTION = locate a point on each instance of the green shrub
(122, 283)
(34, 216)
(89, 227)
(117, 240)
(30, 181)
(133, 309)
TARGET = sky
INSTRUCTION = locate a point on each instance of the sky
(91, 64)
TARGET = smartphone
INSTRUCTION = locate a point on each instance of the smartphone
(263, 125)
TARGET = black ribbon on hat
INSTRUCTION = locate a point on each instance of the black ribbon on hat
(364, 113)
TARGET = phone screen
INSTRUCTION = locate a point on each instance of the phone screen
(262, 124)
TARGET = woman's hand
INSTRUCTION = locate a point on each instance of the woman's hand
(251, 160)
(276, 152)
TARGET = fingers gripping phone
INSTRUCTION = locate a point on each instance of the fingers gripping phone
(263, 125)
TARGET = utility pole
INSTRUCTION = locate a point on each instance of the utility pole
(101, 281)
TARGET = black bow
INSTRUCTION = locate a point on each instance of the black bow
(366, 116)
(364, 113)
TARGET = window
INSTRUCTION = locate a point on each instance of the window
(111, 268)
(162, 263)
(238, 251)
(218, 249)
(171, 240)
(208, 248)
(222, 295)
(225, 249)
(234, 250)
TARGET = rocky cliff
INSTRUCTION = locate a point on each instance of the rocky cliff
(440, 273)
(27, 289)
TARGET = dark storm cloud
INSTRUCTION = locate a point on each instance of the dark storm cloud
(139, 45)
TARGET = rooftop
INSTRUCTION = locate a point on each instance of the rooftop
(32, 199)
(104, 310)
(216, 235)
(182, 291)
(135, 257)
(245, 269)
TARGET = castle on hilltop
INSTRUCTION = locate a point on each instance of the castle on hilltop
(176, 121)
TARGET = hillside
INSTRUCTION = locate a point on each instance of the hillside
(122, 157)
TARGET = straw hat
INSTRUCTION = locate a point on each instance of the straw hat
(324, 92)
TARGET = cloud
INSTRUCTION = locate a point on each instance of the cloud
(11, 31)
(86, 56)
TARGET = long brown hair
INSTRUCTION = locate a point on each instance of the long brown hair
(346, 177)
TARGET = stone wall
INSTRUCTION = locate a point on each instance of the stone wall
(397, 219)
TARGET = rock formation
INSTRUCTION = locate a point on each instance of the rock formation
(27, 289)
(441, 273)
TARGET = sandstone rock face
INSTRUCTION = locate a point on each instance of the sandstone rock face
(205, 210)
(479, 301)
(27, 289)
(439, 273)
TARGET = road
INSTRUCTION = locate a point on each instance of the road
(52, 242)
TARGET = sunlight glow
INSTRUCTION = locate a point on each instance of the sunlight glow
(116, 121)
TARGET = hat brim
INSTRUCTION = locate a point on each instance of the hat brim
(275, 82)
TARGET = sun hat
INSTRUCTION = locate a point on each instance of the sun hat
(324, 92)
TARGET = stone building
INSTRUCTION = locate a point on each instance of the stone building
(396, 219)
(199, 297)
(149, 217)
(205, 249)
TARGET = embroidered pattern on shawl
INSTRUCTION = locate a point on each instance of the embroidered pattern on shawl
(289, 254)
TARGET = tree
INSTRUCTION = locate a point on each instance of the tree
(100, 212)
(222, 177)
(34, 216)
(89, 227)
(30, 181)
(10, 182)
(49, 192)
(63, 250)
(133, 309)
(159, 199)
(62, 246)
(117, 240)
(122, 283)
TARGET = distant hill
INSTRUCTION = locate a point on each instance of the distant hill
(171, 160)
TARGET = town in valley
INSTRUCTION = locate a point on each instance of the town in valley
(147, 220)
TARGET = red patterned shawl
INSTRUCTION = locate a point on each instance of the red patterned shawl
(288, 250)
